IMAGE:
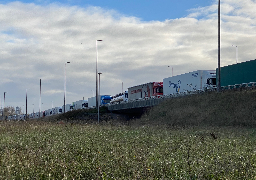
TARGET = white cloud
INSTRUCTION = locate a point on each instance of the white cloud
(36, 41)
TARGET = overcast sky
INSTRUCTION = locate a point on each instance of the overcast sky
(141, 38)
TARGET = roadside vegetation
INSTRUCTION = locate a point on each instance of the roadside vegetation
(198, 137)
(229, 108)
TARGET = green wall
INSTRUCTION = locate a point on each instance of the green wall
(244, 72)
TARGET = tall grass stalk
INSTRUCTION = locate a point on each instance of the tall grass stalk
(40, 150)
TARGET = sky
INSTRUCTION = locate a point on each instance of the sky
(140, 40)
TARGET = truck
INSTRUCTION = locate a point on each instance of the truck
(188, 82)
(119, 98)
(240, 73)
(147, 90)
(81, 104)
(104, 99)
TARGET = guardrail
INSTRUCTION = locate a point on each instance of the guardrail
(153, 101)
(136, 104)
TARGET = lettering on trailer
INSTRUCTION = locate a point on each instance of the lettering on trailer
(158, 84)
(136, 91)
(175, 86)
(191, 86)
(195, 75)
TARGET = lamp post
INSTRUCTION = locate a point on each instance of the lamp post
(172, 70)
(99, 100)
(1, 107)
(97, 73)
(40, 99)
(26, 104)
(33, 110)
(236, 53)
(4, 104)
(218, 83)
(65, 83)
(42, 111)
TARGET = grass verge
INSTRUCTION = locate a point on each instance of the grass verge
(233, 108)
(40, 150)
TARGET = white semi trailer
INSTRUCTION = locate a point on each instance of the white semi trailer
(192, 81)
(81, 104)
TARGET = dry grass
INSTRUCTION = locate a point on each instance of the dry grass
(39, 150)
(197, 137)
(236, 108)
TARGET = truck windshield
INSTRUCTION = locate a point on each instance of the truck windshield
(211, 81)
(106, 101)
(159, 90)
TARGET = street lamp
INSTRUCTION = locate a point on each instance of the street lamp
(40, 99)
(65, 86)
(33, 110)
(41, 110)
(26, 104)
(219, 82)
(97, 73)
(100, 100)
(4, 104)
(172, 70)
(236, 53)
(1, 107)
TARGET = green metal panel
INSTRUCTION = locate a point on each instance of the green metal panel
(244, 72)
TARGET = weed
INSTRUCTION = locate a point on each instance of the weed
(37, 150)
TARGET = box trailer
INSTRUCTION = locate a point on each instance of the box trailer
(119, 98)
(103, 99)
(239, 73)
(57, 110)
(192, 81)
(145, 90)
(92, 102)
(81, 104)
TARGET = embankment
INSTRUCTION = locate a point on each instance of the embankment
(230, 108)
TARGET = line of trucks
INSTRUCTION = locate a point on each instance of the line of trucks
(232, 76)
(184, 83)
(199, 80)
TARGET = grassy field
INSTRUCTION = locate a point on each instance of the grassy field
(185, 138)
(38, 150)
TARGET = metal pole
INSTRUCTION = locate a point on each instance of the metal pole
(122, 87)
(1, 107)
(42, 108)
(219, 84)
(65, 84)
(99, 100)
(64, 87)
(40, 100)
(172, 70)
(26, 104)
(97, 73)
(4, 105)
(236, 54)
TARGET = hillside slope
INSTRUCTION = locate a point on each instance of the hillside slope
(231, 108)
